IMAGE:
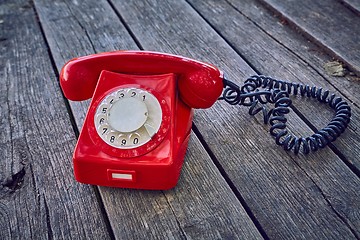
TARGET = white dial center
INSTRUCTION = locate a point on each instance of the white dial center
(128, 115)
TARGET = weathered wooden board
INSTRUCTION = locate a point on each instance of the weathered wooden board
(201, 206)
(170, 27)
(308, 52)
(38, 196)
(313, 58)
(352, 4)
(137, 214)
(330, 24)
(221, 14)
(271, 58)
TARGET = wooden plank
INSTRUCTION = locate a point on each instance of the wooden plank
(326, 23)
(276, 57)
(38, 196)
(135, 214)
(296, 43)
(311, 55)
(270, 58)
(352, 4)
(200, 207)
(271, 188)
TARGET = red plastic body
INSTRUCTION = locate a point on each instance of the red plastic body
(179, 84)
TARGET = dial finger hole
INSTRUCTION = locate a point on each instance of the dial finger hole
(111, 99)
(133, 93)
(142, 96)
(101, 119)
(104, 108)
(135, 138)
(123, 140)
(103, 130)
(120, 94)
(111, 137)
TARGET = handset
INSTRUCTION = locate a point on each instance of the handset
(137, 128)
(200, 84)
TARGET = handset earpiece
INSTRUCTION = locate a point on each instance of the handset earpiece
(201, 88)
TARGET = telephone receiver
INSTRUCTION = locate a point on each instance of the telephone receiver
(138, 124)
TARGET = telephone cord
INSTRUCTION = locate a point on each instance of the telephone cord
(277, 92)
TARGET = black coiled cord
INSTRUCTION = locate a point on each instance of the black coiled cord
(277, 92)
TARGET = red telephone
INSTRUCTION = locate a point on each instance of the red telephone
(138, 124)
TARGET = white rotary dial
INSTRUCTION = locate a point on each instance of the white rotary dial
(128, 118)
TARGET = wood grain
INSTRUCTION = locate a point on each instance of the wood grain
(291, 197)
(201, 206)
(308, 52)
(331, 25)
(38, 196)
(312, 59)
(135, 214)
(237, 34)
(352, 4)
(295, 179)
(269, 57)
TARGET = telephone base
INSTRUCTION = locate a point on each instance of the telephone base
(157, 175)
(154, 165)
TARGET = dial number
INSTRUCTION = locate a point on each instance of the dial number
(120, 94)
(104, 130)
